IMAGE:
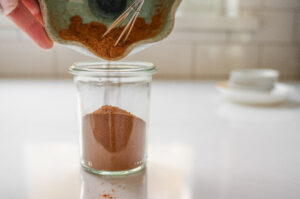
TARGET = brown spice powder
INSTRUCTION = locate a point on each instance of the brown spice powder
(113, 140)
(108, 196)
(90, 34)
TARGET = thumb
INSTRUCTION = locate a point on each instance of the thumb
(23, 18)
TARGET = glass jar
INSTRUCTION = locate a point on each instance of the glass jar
(114, 114)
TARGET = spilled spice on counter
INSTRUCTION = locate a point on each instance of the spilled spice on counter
(113, 139)
(108, 196)
(90, 34)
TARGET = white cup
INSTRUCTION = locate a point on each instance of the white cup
(253, 79)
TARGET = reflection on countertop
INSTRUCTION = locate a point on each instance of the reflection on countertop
(167, 175)
(115, 187)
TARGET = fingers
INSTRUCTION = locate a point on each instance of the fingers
(34, 8)
(24, 19)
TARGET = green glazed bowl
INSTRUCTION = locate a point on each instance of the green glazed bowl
(57, 14)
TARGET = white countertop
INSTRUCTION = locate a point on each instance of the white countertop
(199, 146)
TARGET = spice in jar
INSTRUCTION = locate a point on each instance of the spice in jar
(113, 140)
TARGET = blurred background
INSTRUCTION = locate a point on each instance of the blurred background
(211, 38)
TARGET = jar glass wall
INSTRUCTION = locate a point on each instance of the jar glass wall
(114, 103)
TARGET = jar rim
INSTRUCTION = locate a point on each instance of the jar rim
(112, 68)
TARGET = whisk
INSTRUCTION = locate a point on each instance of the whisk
(133, 12)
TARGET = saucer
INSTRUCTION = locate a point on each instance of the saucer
(278, 95)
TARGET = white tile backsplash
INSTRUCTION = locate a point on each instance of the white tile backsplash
(275, 27)
(282, 4)
(25, 60)
(216, 24)
(218, 60)
(286, 59)
(250, 4)
(172, 60)
(65, 57)
(9, 34)
(297, 28)
(5, 22)
(197, 37)
(240, 37)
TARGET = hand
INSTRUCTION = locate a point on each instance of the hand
(27, 16)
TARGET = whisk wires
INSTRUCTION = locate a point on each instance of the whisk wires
(133, 12)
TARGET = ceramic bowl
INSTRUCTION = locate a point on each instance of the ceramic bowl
(253, 79)
(57, 14)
